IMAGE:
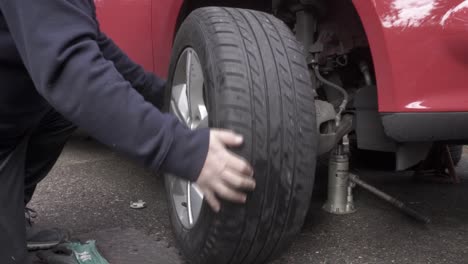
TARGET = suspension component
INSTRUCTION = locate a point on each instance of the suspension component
(340, 89)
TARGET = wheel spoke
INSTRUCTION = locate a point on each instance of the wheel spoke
(189, 203)
(187, 103)
(204, 122)
(179, 195)
(180, 103)
(195, 81)
(188, 78)
(196, 201)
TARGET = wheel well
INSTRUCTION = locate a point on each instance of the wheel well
(342, 33)
(189, 5)
(338, 31)
(338, 17)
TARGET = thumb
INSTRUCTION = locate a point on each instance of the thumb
(228, 138)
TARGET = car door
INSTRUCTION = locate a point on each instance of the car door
(128, 23)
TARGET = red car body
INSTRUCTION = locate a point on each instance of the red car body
(144, 29)
(418, 46)
(419, 52)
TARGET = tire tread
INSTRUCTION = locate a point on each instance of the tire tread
(263, 91)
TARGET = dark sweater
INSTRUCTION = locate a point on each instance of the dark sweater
(52, 53)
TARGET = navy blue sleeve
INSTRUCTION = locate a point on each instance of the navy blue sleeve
(146, 83)
(58, 43)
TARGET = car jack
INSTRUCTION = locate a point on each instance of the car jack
(341, 184)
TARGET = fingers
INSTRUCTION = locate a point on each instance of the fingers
(239, 165)
(229, 194)
(228, 138)
(233, 161)
(224, 174)
(212, 201)
(238, 181)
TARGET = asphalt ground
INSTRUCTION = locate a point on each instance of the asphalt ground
(90, 189)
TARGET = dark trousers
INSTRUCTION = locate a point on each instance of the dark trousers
(29, 147)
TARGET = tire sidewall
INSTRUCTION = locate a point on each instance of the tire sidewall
(193, 240)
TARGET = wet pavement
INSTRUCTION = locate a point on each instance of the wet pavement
(90, 190)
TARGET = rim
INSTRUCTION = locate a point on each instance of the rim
(188, 104)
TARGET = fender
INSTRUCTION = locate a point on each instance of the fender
(417, 50)
(165, 14)
(381, 58)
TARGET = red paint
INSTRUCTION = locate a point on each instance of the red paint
(420, 53)
(128, 23)
(419, 47)
(165, 14)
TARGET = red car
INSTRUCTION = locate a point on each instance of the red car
(294, 77)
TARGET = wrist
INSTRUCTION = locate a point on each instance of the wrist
(187, 153)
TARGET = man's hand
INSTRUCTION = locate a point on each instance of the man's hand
(225, 174)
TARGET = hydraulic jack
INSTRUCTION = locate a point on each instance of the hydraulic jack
(340, 189)
(341, 184)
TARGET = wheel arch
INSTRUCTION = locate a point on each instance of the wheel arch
(381, 57)
(368, 14)
(189, 5)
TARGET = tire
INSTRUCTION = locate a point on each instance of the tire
(257, 84)
(456, 152)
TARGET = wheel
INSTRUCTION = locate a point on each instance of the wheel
(456, 151)
(243, 70)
